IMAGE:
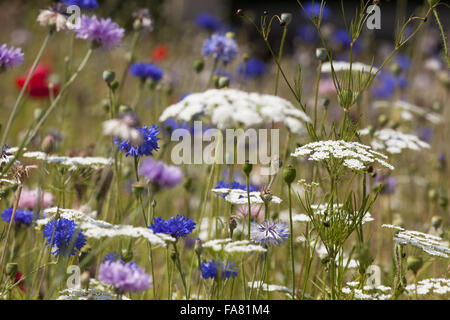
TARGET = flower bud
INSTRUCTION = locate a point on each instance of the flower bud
(126, 254)
(198, 249)
(138, 188)
(114, 85)
(48, 144)
(84, 279)
(187, 183)
(230, 35)
(383, 120)
(109, 76)
(322, 54)
(345, 98)
(247, 168)
(443, 201)
(232, 224)
(436, 221)
(396, 69)
(12, 269)
(223, 82)
(289, 174)
(245, 58)
(286, 17)
(432, 194)
(275, 215)
(239, 12)
(414, 263)
(199, 64)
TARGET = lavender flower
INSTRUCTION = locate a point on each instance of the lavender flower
(161, 174)
(270, 232)
(222, 47)
(102, 33)
(124, 277)
(11, 57)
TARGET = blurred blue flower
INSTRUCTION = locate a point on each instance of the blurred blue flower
(313, 8)
(146, 71)
(221, 47)
(111, 257)
(208, 21)
(63, 234)
(342, 37)
(83, 4)
(21, 217)
(210, 269)
(385, 84)
(425, 133)
(307, 33)
(253, 68)
(145, 148)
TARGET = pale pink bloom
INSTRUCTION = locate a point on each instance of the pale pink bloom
(29, 199)
(256, 211)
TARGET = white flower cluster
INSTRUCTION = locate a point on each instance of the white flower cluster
(98, 229)
(230, 247)
(430, 286)
(376, 292)
(431, 244)
(238, 196)
(345, 66)
(321, 209)
(394, 141)
(261, 285)
(231, 108)
(208, 227)
(355, 156)
(96, 291)
(408, 110)
(73, 163)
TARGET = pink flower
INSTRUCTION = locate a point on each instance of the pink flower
(326, 86)
(29, 199)
(257, 212)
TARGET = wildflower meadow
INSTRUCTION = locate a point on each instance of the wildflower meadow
(224, 150)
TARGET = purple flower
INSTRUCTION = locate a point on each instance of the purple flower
(124, 277)
(223, 48)
(253, 68)
(161, 174)
(388, 184)
(269, 232)
(103, 33)
(10, 57)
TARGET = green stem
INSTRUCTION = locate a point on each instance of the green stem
(291, 242)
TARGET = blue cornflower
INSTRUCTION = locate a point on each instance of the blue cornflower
(211, 268)
(146, 71)
(223, 48)
(234, 185)
(83, 4)
(21, 217)
(385, 84)
(177, 227)
(270, 232)
(253, 68)
(313, 8)
(208, 21)
(62, 232)
(150, 143)
(342, 38)
(403, 61)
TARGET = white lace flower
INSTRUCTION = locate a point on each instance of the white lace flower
(394, 141)
(429, 243)
(122, 129)
(73, 163)
(376, 292)
(231, 108)
(438, 286)
(345, 66)
(98, 229)
(231, 247)
(356, 156)
(408, 110)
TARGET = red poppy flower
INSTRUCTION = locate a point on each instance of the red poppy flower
(38, 85)
(159, 53)
(17, 277)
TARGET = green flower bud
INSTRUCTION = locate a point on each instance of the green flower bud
(432, 194)
(48, 144)
(187, 184)
(109, 76)
(345, 98)
(12, 269)
(414, 263)
(224, 82)
(114, 85)
(138, 188)
(396, 69)
(199, 65)
(289, 174)
(326, 102)
(383, 120)
(247, 168)
(126, 254)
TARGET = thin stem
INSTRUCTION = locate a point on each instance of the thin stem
(291, 240)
